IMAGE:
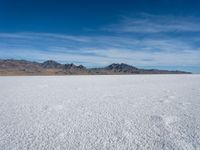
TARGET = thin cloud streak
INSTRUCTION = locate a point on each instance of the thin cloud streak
(147, 23)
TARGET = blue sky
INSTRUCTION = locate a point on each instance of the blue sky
(159, 34)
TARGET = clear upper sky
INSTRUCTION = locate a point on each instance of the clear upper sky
(145, 33)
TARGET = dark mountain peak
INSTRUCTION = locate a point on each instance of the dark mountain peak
(123, 68)
(72, 66)
(69, 66)
(51, 64)
(120, 66)
(81, 67)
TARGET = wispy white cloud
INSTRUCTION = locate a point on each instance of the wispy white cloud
(147, 23)
(104, 57)
(100, 49)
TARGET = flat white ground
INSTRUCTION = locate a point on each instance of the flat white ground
(100, 112)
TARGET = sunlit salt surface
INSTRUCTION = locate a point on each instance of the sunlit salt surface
(100, 112)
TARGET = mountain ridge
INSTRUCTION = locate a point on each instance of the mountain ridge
(51, 67)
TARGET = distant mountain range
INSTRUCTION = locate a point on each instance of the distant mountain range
(50, 67)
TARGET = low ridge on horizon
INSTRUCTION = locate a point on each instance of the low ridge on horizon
(51, 67)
